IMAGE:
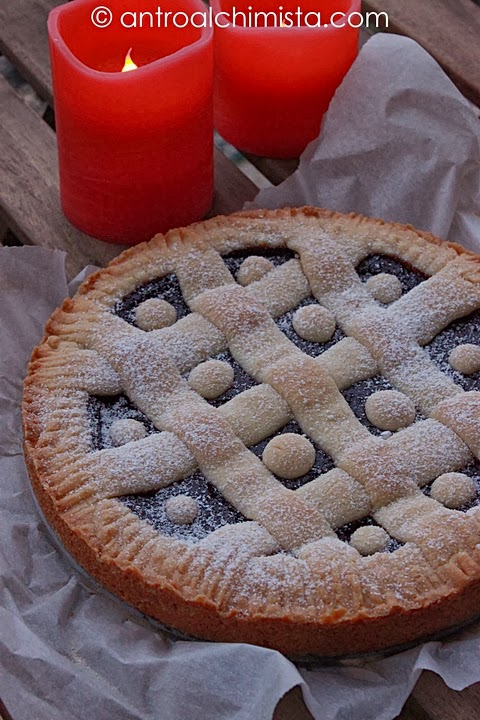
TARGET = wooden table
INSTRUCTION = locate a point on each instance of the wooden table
(30, 211)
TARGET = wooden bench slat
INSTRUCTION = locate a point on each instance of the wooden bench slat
(442, 702)
(4, 714)
(29, 193)
(413, 711)
(430, 700)
(3, 228)
(275, 170)
(292, 707)
(23, 40)
(448, 29)
(29, 188)
(232, 188)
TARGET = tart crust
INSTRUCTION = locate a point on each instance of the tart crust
(283, 578)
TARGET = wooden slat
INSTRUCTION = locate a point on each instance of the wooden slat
(431, 700)
(445, 704)
(29, 194)
(23, 39)
(232, 188)
(448, 29)
(292, 707)
(413, 711)
(275, 170)
(3, 231)
(4, 714)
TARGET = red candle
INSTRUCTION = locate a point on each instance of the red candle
(274, 84)
(135, 148)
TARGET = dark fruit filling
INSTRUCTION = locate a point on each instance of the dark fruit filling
(213, 510)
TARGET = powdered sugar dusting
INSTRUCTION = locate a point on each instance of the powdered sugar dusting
(213, 510)
(151, 506)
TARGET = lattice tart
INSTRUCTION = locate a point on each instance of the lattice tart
(265, 428)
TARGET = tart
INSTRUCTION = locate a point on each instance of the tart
(265, 428)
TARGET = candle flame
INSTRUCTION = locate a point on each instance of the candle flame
(129, 64)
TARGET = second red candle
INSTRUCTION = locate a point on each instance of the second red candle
(273, 84)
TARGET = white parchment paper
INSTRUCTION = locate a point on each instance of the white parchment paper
(399, 142)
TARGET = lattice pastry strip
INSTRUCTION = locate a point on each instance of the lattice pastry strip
(399, 356)
(263, 317)
(143, 475)
(219, 578)
(453, 292)
(143, 462)
(165, 397)
(236, 318)
(254, 414)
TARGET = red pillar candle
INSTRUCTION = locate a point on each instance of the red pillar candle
(274, 84)
(135, 148)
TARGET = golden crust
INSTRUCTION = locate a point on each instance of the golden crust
(324, 598)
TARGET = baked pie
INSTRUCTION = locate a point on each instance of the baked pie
(265, 428)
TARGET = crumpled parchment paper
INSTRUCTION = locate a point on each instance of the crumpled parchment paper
(399, 142)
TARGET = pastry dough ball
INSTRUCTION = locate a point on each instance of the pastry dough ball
(155, 314)
(454, 490)
(385, 288)
(211, 379)
(289, 456)
(125, 431)
(369, 540)
(465, 358)
(181, 509)
(253, 268)
(314, 323)
(389, 410)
